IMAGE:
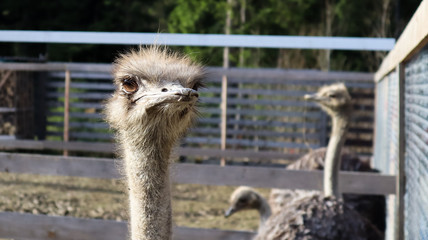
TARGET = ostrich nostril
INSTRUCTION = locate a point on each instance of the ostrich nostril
(164, 90)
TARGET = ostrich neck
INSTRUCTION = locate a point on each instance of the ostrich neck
(340, 123)
(147, 172)
(265, 212)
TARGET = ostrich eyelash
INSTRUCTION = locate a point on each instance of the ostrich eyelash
(198, 85)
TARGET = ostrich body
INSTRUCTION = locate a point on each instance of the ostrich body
(311, 215)
(373, 207)
(152, 107)
(246, 198)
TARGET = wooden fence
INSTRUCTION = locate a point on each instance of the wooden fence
(265, 112)
(401, 126)
(265, 119)
(28, 226)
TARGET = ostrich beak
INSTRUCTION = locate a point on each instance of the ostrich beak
(229, 212)
(314, 97)
(186, 94)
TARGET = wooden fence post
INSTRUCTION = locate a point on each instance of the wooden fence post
(401, 177)
(67, 109)
(224, 84)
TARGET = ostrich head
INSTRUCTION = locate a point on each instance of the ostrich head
(333, 98)
(243, 198)
(156, 93)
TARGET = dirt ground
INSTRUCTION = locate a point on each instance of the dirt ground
(193, 205)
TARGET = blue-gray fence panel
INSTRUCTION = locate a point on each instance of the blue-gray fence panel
(416, 158)
(386, 142)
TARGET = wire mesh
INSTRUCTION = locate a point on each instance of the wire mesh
(386, 147)
(386, 142)
(416, 158)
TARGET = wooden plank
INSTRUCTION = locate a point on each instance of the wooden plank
(261, 133)
(249, 74)
(261, 155)
(37, 227)
(305, 83)
(86, 75)
(413, 38)
(58, 165)
(296, 126)
(242, 122)
(244, 102)
(86, 95)
(91, 135)
(57, 66)
(109, 148)
(210, 141)
(211, 40)
(185, 233)
(57, 145)
(401, 175)
(214, 73)
(271, 142)
(350, 182)
(354, 136)
(251, 143)
(88, 86)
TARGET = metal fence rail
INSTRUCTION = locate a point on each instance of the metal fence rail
(211, 40)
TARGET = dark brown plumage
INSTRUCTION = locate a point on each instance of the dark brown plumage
(373, 207)
(313, 217)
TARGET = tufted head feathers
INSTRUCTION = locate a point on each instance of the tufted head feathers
(243, 198)
(332, 98)
(156, 92)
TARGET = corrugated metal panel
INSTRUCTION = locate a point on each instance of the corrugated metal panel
(416, 158)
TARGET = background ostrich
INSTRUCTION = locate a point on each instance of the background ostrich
(152, 107)
(370, 206)
(373, 207)
(246, 198)
(313, 216)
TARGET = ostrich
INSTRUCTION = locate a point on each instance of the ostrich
(370, 206)
(311, 215)
(373, 207)
(153, 106)
(246, 198)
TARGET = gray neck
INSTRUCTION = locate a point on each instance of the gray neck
(340, 123)
(264, 211)
(147, 171)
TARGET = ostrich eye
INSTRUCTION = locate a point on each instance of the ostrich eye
(332, 95)
(242, 200)
(129, 85)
